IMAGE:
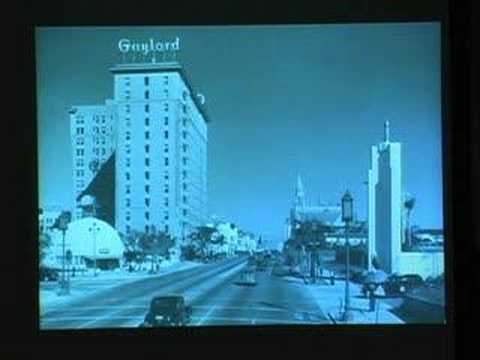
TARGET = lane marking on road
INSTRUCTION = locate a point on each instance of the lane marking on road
(247, 308)
(82, 318)
(257, 320)
(209, 312)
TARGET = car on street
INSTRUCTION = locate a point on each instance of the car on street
(167, 311)
(48, 274)
(398, 285)
(247, 277)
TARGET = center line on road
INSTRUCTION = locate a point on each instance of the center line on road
(209, 312)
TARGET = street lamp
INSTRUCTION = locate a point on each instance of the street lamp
(347, 217)
(63, 220)
(93, 230)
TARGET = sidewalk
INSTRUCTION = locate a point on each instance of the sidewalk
(86, 284)
(330, 299)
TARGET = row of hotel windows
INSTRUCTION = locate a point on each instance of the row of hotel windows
(81, 119)
(166, 215)
(147, 229)
(146, 80)
(96, 130)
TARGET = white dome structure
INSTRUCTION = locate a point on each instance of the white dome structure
(93, 238)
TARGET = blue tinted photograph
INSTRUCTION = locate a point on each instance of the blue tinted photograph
(239, 175)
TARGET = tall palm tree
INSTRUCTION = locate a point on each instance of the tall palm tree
(409, 204)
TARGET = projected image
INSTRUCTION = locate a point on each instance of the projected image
(240, 176)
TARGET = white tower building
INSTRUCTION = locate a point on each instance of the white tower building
(385, 203)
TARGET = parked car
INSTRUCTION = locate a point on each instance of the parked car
(247, 277)
(48, 274)
(402, 284)
(167, 311)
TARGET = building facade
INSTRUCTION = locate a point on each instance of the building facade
(161, 156)
(93, 138)
(385, 204)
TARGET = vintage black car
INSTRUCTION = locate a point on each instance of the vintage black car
(167, 311)
(397, 285)
(48, 274)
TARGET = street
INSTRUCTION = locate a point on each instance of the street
(211, 291)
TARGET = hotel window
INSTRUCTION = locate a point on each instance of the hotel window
(127, 161)
(184, 147)
(127, 175)
(147, 161)
(103, 151)
(184, 107)
(165, 148)
(147, 215)
(103, 130)
(127, 135)
(147, 95)
(165, 201)
(165, 106)
(79, 172)
(103, 119)
(147, 175)
(127, 216)
(184, 134)
(184, 160)
(127, 189)
(184, 95)
(147, 121)
(80, 152)
(166, 134)
(184, 186)
(166, 176)
(147, 201)
(147, 108)
(184, 121)
(127, 202)
(165, 91)
(166, 216)
(165, 120)
(184, 199)
(127, 229)
(146, 79)
(166, 189)
(166, 228)
(147, 189)
(184, 173)
(147, 134)
(166, 161)
(147, 148)
(165, 80)
(80, 140)
(147, 228)
(127, 108)
(80, 163)
(79, 130)
(184, 212)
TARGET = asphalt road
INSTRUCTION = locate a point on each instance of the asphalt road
(211, 290)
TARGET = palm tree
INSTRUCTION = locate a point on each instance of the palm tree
(409, 204)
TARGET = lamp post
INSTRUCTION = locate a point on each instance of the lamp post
(347, 216)
(64, 219)
(93, 230)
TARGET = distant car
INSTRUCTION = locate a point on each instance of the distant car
(402, 284)
(48, 274)
(167, 311)
(247, 277)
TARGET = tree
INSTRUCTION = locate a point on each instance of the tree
(409, 204)
(155, 244)
(45, 242)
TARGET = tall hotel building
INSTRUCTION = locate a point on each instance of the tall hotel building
(385, 204)
(160, 144)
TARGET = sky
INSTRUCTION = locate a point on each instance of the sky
(283, 100)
